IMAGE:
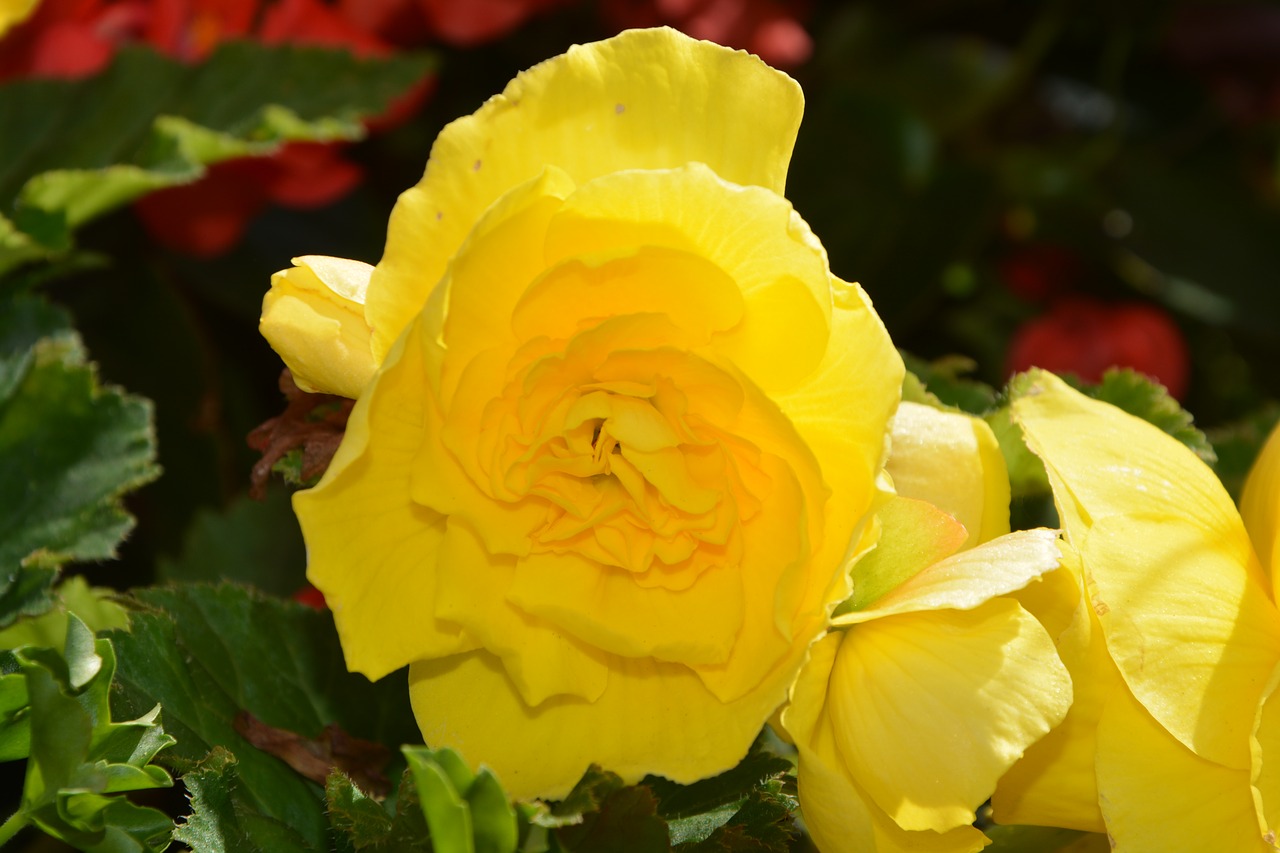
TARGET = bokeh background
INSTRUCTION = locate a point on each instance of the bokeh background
(1069, 184)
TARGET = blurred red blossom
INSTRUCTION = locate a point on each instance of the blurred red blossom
(77, 38)
(768, 28)
(311, 597)
(1235, 49)
(1040, 271)
(1085, 337)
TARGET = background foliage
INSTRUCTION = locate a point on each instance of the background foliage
(1072, 184)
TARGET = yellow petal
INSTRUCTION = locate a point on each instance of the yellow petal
(692, 290)
(652, 718)
(1170, 569)
(472, 587)
(14, 12)
(1183, 623)
(605, 608)
(931, 708)
(486, 279)
(313, 316)
(1260, 506)
(969, 578)
(367, 541)
(646, 99)
(1158, 795)
(772, 256)
(1265, 749)
(951, 460)
(841, 413)
(1055, 783)
(840, 816)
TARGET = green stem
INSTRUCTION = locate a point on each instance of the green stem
(11, 827)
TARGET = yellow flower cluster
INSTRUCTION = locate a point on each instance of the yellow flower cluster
(628, 474)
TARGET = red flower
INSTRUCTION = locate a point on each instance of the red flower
(1085, 337)
(477, 21)
(1040, 271)
(769, 29)
(76, 38)
(311, 597)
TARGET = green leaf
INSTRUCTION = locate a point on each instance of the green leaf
(443, 805)
(765, 823)
(1238, 444)
(368, 826)
(615, 817)
(73, 150)
(208, 652)
(943, 383)
(731, 786)
(700, 826)
(79, 758)
(69, 449)
(466, 812)
(217, 823)
(252, 542)
(354, 813)
(92, 605)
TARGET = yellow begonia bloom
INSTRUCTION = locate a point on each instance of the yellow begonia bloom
(938, 681)
(313, 316)
(14, 12)
(606, 484)
(1171, 643)
(906, 720)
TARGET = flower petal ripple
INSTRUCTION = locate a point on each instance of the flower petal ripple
(607, 480)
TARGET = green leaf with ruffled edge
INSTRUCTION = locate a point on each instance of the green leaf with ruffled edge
(73, 150)
(396, 825)
(610, 816)
(69, 449)
(945, 384)
(249, 541)
(208, 652)
(80, 760)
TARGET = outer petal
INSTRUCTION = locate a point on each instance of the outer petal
(1266, 759)
(968, 579)
(931, 708)
(1055, 782)
(647, 99)
(839, 815)
(1260, 506)
(842, 413)
(1172, 574)
(951, 460)
(313, 316)
(1158, 795)
(652, 718)
(367, 541)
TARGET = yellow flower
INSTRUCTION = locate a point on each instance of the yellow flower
(608, 477)
(935, 681)
(1169, 634)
